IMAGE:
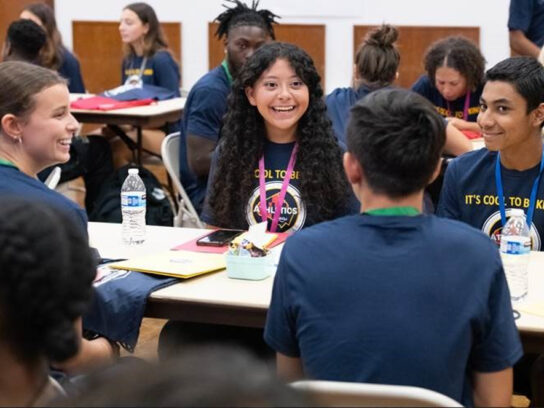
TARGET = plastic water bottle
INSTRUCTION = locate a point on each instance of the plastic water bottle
(515, 252)
(133, 208)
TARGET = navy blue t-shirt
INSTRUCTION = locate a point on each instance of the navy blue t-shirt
(276, 159)
(528, 16)
(202, 116)
(15, 183)
(469, 194)
(424, 87)
(339, 103)
(160, 70)
(69, 69)
(388, 299)
(294, 214)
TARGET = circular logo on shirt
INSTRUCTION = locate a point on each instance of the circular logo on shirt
(293, 211)
(493, 227)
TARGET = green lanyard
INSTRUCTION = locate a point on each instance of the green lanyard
(410, 211)
(4, 162)
(225, 66)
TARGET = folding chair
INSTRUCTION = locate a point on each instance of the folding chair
(350, 394)
(186, 214)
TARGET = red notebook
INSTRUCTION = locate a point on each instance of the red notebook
(105, 104)
(192, 246)
(471, 134)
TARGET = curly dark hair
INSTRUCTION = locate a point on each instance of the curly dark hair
(459, 53)
(46, 274)
(242, 15)
(324, 188)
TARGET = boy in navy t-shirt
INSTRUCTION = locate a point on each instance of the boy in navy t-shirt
(384, 296)
(243, 29)
(511, 118)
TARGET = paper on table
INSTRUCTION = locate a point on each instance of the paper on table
(179, 264)
(534, 308)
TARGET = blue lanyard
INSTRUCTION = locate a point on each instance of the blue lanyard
(500, 191)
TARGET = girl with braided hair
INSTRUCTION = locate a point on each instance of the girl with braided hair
(243, 30)
(46, 274)
(278, 160)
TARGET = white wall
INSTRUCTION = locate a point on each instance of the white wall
(339, 16)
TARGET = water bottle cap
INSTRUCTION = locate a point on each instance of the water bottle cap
(517, 212)
(132, 171)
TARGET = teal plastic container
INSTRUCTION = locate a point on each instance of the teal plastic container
(250, 268)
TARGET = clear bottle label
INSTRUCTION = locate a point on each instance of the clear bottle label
(133, 199)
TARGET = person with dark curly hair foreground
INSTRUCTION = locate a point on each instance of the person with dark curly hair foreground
(455, 71)
(46, 274)
(243, 28)
(369, 297)
(211, 375)
(278, 160)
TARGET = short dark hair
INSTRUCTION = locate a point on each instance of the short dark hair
(459, 53)
(52, 53)
(398, 138)
(525, 74)
(25, 39)
(378, 58)
(46, 274)
(242, 15)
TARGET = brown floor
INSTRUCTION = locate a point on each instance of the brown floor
(148, 339)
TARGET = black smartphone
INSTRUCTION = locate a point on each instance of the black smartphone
(219, 237)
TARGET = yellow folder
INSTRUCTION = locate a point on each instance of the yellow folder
(179, 264)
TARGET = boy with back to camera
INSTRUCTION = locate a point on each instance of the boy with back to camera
(375, 297)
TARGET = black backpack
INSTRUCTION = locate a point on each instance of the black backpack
(108, 203)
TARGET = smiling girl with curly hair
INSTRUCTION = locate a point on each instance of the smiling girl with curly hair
(278, 159)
